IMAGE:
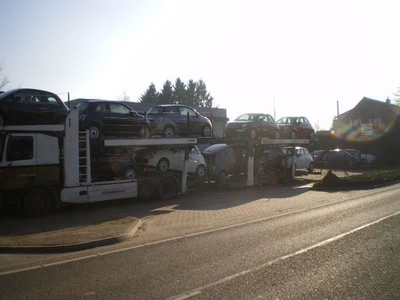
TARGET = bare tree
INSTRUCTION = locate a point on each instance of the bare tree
(3, 79)
(124, 97)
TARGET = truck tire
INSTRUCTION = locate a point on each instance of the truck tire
(274, 177)
(166, 189)
(286, 176)
(37, 202)
(146, 190)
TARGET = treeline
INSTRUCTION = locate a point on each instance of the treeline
(192, 94)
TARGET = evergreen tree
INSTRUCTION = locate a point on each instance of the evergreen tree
(192, 94)
(203, 97)
(166, 95)
(150, 95)
(191, 98)
(179, 92)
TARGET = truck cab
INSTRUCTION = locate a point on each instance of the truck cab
(28, 162)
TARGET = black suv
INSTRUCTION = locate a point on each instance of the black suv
(111, 118)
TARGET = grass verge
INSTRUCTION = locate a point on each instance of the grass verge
(367, 180)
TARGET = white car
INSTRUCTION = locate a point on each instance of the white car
(172, 159)
(303, 158)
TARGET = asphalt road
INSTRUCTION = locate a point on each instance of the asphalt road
(281, 243)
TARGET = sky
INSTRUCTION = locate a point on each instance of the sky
(313, 58)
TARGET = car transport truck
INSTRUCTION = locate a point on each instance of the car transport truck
(45, 166)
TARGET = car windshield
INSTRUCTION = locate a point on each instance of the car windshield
(155, 110)
(82, 106)
(247, 117)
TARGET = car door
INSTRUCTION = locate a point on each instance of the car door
(119, 119)
(194, 121)
(301, 161)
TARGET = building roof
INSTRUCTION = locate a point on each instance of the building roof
(370, 105)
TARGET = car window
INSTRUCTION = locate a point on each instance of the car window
(119, 109)
(244, 117)
(49, 99)
(186, 110)
(101, 107)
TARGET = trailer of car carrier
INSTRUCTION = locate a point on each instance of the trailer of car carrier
(43, 166)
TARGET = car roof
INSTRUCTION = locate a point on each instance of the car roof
(215, 148)
(6, 93)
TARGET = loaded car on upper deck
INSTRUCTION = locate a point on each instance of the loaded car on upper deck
(170, 120)
(252, 125)
(111, 119)
(296, 128)
(27, 106)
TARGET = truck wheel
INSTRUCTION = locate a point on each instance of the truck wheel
(201, 171)
(163, 165)
(94, 132)
(146, 190)
(274, 177)
(37, 202)
(286, 176)
(166, 189)
(169, 132)
(206, 131)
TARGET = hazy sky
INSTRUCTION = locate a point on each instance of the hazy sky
(279, 57)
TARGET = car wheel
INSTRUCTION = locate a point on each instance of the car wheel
(37, 202)
(312, 135)
(163, 165)
(206, 131)
(201, 171)
(293, 135)
(94, 132)
(283, 162)
(311, 168)
(222, 177)
(260, 170)
(144, 132)
(130, 173)
(253, 133)
(169, 132)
